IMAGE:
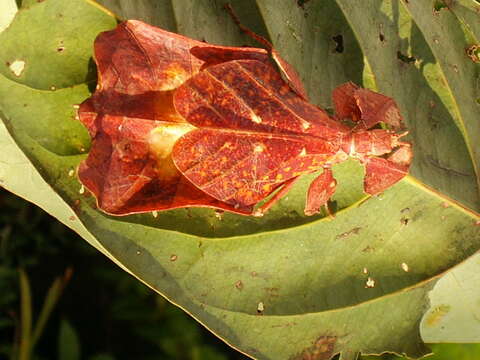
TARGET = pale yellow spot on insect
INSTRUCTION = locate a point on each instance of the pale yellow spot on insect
(161, 141)
(162, 138)
(303, 152)
(279, 177)
(305, 125)
(287, 169)
(17, 67)
(266, 187)
(352, 149)
(227, 145)
(258, 148)
(256, 119)
(175, 76)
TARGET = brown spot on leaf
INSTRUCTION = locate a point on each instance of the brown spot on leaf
(322, 349)
(437, 314)
(239, 285)
(346, 234)
(173, 257)
(368, 249)
(272, 292)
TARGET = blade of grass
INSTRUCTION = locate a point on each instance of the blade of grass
(25, 316)
(51, 299)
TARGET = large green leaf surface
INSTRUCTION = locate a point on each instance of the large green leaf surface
(284, 286)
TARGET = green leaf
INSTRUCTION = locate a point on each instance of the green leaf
(285, 286)
(441, 352)
(62, 40)
(455, 351)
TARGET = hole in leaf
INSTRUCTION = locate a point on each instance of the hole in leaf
(473, 52)
(17, 67)
(302, 3)
(381, 37)
(439, 5)
(406, 59)
(339, 41)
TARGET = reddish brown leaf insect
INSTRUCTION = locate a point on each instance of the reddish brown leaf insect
(133, 123)
(238, 128)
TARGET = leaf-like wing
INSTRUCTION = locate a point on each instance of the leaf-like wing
(242, 168)
(252, 96)
(254, 132)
